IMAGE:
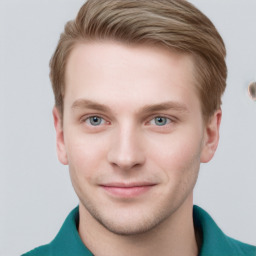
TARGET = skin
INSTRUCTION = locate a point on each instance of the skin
(135, 164)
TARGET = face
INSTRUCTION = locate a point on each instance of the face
(133, 133)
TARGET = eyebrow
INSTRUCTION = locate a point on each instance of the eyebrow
(83, 103)
(169, 105)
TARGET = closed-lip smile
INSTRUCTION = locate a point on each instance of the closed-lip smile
(127, 190)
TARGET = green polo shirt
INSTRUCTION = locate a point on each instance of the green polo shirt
(214, 241)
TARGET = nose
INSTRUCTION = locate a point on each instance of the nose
(126, 150)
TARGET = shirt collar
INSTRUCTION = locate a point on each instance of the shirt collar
(214, 241)
(68, 241)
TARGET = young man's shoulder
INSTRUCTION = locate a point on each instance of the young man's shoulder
(41, 250)
(242, 248)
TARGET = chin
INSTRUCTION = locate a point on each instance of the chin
(130, 222)
(130, 227)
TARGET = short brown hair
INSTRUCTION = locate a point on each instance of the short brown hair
(175, 24)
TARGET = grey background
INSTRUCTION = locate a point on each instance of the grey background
(35, 192)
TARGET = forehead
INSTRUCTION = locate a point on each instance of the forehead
(114, 74)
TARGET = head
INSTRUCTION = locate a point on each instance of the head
(138, 88)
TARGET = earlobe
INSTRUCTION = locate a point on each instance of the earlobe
(211, 137)
(61, 150)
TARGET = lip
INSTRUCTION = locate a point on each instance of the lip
(127, 190)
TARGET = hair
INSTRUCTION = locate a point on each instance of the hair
(175, 24)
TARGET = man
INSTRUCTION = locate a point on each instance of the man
(138, 88)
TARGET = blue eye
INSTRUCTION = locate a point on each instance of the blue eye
(95, 120)
(160, 121)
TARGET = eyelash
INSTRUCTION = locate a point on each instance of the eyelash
(87, 118)
(167, 119)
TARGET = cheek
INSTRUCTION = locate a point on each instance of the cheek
(85, 154)
(179, 162)
(177, 154)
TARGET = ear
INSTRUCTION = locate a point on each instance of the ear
(211, 137)
(61, 150)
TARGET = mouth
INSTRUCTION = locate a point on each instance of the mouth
(127, 190)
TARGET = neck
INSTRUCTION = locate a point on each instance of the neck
(174, 236)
